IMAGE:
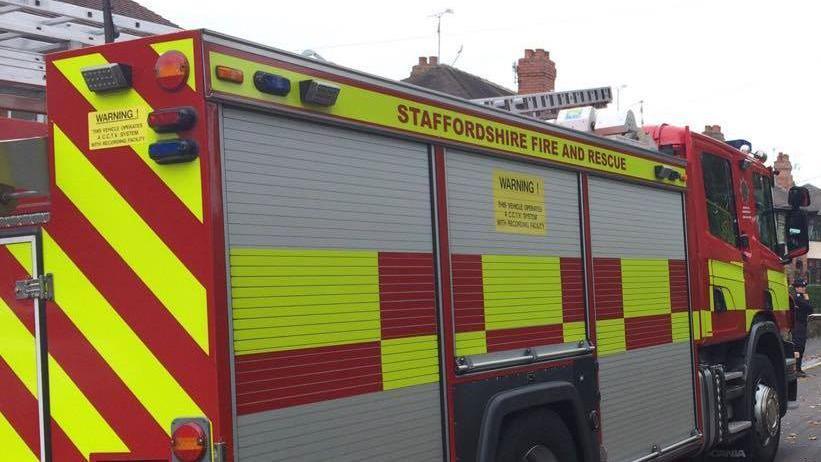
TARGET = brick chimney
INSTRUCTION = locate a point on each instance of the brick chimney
(713, 131)
(782, 164)
(424, 65)
(536, 72)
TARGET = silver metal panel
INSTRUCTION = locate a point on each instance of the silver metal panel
(402, 424)
(647, 393)
(647, 399)
(301, 185)
(298, 185)
(472, 217)
(633, 221)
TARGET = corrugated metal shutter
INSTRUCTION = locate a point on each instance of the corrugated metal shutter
(642, 320)
(514, 288)
(330, 238)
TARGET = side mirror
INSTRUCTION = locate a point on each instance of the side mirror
(799, 196)
(798, 236)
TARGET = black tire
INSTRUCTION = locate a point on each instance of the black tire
(530, 434)
(758, 448)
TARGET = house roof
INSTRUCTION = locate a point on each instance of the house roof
(127, 8)
(456, 82)
(780, 198)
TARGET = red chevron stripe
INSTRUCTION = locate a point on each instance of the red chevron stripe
(607, 289)
(62, 448)
(269, 381)
(406, 294)
(92, 375)
(21, 410)
(523, 337)
(12, 271)
(648, 331)
(134, 302)
(147, 194)
(19, 407)
(679, 298)
(572, 289)
(468, 295)
(145, 56)
(101, 385)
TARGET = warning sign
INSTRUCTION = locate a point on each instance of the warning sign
(518, 200)
(119, 127)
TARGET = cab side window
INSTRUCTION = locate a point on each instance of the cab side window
(718, 188)
(765, 216)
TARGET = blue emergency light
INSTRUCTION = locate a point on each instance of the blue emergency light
(173, 151)
(271, 83)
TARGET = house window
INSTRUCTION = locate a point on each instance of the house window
(815, 228)
(718, 189)
(814, 271)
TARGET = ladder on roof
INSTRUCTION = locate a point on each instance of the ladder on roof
(547, 105)
(30, 28)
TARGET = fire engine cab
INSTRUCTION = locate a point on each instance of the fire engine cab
(256, 256)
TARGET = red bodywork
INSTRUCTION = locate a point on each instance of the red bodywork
(703, 246)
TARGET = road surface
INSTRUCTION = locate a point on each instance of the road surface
(801, 428)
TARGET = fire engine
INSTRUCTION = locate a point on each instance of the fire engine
(229, 252)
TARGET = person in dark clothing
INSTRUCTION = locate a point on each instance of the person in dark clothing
(803, 309)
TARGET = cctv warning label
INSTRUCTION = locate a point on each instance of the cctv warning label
(518, 201)
(119, 127)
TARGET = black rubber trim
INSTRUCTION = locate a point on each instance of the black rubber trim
(507, 402)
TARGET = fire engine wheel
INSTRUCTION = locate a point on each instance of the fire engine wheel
(764, 411)
(537, 436)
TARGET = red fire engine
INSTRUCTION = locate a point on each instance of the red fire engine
(262, 257)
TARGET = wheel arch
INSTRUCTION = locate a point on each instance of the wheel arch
(561, 397)
(765, 339)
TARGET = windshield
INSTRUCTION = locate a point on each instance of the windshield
(763, 191)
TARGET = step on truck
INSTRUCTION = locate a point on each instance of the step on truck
(229, 252)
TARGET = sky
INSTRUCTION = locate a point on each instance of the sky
(753, 67)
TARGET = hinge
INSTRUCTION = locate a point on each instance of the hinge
(41, 287)
(220, 452)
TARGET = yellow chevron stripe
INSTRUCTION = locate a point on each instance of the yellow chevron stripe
(285, 299)
(183, 179)
(186, 47)
(155, 264)
(22, 251)
(680, 325)
(70, 408)
(645, 287)
(777, 284)
(410, 361)
(471, 343)
(14, 448)
(521, 291)
(573, 331)
(611, 336)
(729, 277)
(143, 374)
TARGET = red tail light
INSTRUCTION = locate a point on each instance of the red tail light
(178, 119)
(171, 70)
(188, 442)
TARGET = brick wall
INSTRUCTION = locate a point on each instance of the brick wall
(783, 165)
(536, 72)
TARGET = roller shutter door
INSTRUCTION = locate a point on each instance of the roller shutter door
(516, 256)
(642, 318)
(332, 293)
